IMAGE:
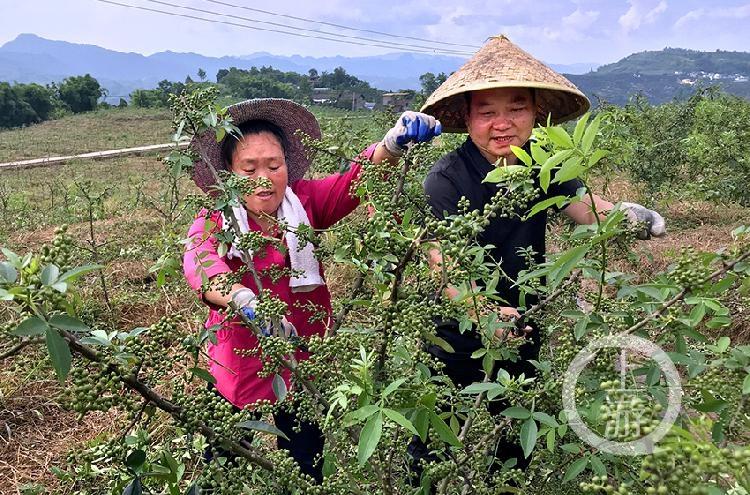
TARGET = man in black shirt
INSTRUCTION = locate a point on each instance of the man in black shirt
(498, 113)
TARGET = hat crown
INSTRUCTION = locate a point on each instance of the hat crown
(498, 64)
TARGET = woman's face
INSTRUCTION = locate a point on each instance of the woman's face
(256, 156)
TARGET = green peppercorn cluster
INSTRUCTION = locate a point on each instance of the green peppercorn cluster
(626, 415)
(98, 387)
(690, 269)
(207, 408)
(151, 347)
(688, 467)
(601, 484)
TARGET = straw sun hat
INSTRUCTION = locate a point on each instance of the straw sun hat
(288, 116)
(501, 64)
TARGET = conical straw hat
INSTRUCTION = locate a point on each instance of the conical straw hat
(501, 64)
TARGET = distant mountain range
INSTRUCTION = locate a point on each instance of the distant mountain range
(30, 58)
(660, 75)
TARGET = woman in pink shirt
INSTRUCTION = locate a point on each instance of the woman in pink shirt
(270, 148)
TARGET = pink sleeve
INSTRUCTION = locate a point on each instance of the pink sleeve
(330, 197)
(201, 260)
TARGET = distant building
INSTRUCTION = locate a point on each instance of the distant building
(399, 101)
(340, 98)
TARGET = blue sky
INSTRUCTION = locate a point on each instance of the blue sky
(556, 31)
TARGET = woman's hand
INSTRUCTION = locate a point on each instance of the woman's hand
(411, 127)
(509, 313)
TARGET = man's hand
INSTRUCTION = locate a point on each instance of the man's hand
(411, 127)
(654, 223)
(510, 313)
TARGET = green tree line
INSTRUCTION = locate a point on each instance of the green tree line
(25, 104)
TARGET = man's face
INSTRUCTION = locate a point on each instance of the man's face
(261, 155)
(499, 118)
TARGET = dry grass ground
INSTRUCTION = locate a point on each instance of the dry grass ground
(82, 133)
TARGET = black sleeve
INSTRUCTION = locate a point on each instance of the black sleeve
(442, 195)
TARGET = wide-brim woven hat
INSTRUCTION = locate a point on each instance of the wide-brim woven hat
(292, 118)
(502, 64)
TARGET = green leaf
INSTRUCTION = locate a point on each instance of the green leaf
(262, 427)
(575, 469)
(68, 323)
(598, 466)
(77, 272)
(549, 164)
(580, 127)
(134, 488)
(400, 419)
(559, 137)
(723, 344)
(8, 272)
(13, 258)
(565, 263)
(393, 386)
(136, 459)
(545, 418)
(479, 387)
(697, 314)
(363, 412)
(556, 201)
(369, 438)
(421, 421)
(540, 156)
(59, 353)
(498, 173)
(204, 375)
(279, 387)
(522, 155)
(517, 412)
(581, 327)
(528, 436)
(551, 439)
(5, 295)
(50, 274)
(573, 448)
(591, 132)
(596, 156)
(571, 169)
(746, 385)
(443, 430)
(30, 327)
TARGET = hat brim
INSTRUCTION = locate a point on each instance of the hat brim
(555, 101)
(291, 118)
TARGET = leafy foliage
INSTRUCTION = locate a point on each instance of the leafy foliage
(371, 385)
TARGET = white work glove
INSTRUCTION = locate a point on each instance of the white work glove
(247, 303)
(654, 223)
(411, 127)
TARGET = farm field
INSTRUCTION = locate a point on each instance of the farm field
(121, 214)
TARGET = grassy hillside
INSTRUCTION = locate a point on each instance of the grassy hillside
(671, 60)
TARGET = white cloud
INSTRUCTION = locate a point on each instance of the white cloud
(740, 12)
(641, 12)
(580, 19)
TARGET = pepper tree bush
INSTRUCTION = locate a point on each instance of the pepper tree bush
(371, 385)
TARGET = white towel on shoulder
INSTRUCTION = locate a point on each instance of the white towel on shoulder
(305, 267)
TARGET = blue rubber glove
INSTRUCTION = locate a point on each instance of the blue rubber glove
(411, 127)
(246, 301)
